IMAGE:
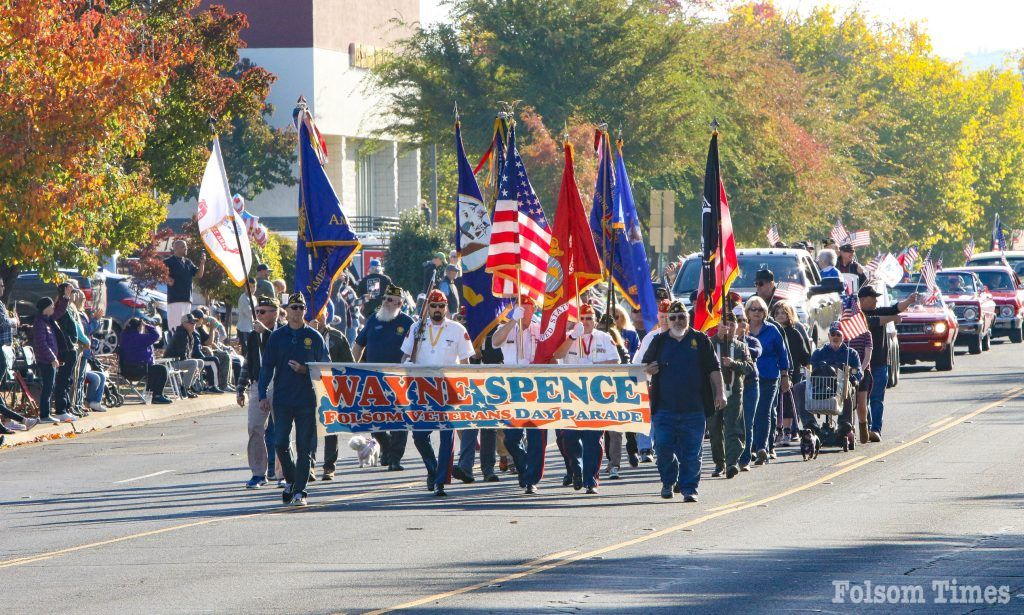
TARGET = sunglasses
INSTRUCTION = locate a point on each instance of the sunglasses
(265, 311)
(835, 334)
(438, 305)
(676, 317)
(296, 307)
(756, 309)
(586, 318)
(760, 283)
(392, 300)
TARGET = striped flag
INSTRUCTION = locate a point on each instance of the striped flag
(873, 265)
(928, 270)
(998, 237)
(852, 323)
(859, 239)
(839, 233)
(908, 258)
(786, 291)
(969, 249)
(520, 235)
(773, 235)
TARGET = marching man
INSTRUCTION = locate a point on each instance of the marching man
(586, 346)
(437, 340)
(521, 327)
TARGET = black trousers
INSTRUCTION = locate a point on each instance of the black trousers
(63, 382)
(155, 375)
(392, 445)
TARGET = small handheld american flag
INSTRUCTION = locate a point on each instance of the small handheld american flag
(969, 249)
(839, 233)
(859, 239)
(773, 235)
(852, 323)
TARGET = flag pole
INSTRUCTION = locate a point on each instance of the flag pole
(212, 123)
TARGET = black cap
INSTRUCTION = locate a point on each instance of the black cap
(197, 314)
(662, 292)
(296, 298)
(188, 318)
(393, 290)
(846, 247)
(868, 291)
(43, 303)
(263, 267)
(265, 301)
(764, 275)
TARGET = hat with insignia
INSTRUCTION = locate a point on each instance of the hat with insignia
(586, 310)
(677, 307)
(393, 290)
(436, 296)
(265, 301)
(834, 327)
(663, 305)
(296, 298)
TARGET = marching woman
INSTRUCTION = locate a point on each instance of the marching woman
(773, 370)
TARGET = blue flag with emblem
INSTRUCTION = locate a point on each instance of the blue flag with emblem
(472, 238)
(616, 228)
(325, 242)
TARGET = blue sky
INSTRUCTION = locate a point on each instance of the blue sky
(980, 32)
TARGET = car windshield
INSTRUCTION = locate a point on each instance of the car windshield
(785, 267)
(902, 291)
(955, 283)
(996, 280)
(1017, 264)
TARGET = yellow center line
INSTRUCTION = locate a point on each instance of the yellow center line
(941, 421)
(547, 558)
(848, 461)
(729, 505)
(20, 561)
(1016, 392)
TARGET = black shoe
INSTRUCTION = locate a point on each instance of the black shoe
(634, 460)
(440, 492)
(732, 471)
(216, 390)
(666, 493)
(327, 476)
(395, 467)
(762, 458)
(567, 480)
(286, 496)
(577, 482)
(460, 474)
(162, 399)
(531, 489)
(689, 498)
(491, 478)
(190, 394)
(4, 430)
(718, 471)
(591, 490)
(430, 481)
(676, 489)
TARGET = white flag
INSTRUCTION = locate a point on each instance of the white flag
(889, 270)
(229, 247)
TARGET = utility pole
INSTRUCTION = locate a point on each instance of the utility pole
(433, 184)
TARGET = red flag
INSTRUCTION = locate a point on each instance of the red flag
(573, 266)
(719, 246)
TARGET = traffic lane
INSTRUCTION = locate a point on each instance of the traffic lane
(927, 514)
(471, 505)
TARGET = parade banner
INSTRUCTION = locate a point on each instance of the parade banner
(362, 397)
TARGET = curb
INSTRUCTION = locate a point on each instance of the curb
(129, 415)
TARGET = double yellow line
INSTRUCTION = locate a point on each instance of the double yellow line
(557, 562)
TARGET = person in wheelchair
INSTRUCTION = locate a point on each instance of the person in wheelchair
(832, 359)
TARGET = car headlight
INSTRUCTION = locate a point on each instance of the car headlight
(1006, 311)
(970, 313)
(940, 327)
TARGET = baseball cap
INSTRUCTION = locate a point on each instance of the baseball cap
(868, 291)
(374, 262)
(263, 267)
(764, 275)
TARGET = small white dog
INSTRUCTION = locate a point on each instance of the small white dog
(367, 449)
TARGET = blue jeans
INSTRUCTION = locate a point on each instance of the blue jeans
(467, 450)
(47, 376)
(439, 466)
(296, 473)
(94, 383)
(750, 395)
(529, 460)
(678, 439)
(766, 396)
(880, 376)
(584, 447)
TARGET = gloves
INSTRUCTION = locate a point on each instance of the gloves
(577, 331)
(518, 312)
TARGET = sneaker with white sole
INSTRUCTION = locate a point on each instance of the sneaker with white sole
(614, 473)
(96, 406)
(15, 426)
(299, 499)
(64, 418)
(30, 423)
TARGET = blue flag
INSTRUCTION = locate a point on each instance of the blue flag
(616, 228)
(325, 243)
(472, 238)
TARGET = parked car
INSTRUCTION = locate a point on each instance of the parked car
(1008, 293)
(816, 308)
(928, 329)
(1015, 258)
(29, 288)
(973, 306)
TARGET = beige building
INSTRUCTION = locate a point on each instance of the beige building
(323, 49)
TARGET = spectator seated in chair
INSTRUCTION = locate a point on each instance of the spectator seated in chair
(136, 358)
(183, 351)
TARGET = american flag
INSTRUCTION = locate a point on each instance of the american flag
(859, 239)
(520, 235)
(998, 238)
(773, 235)
(786, 291)
(838, 233)
(969, 249)
(875, 262)
(908, 258)
(852, 323)
(928, 270)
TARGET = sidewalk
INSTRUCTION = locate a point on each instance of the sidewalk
(131, 414)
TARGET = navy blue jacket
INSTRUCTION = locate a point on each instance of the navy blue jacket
(305, 346)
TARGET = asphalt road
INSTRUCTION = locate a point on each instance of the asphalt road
(154, 519)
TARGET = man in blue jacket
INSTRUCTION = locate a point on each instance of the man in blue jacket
(286, 358)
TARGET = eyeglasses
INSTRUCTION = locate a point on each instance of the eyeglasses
(586, 318)
(438, 305)
(296, 308)
(756, 309)
(676, 317)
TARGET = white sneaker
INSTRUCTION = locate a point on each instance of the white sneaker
(30, 423)
(64, 418)
(52, 419)
(13, 426)
(298, 500)
(97, 406)
(614, 473)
